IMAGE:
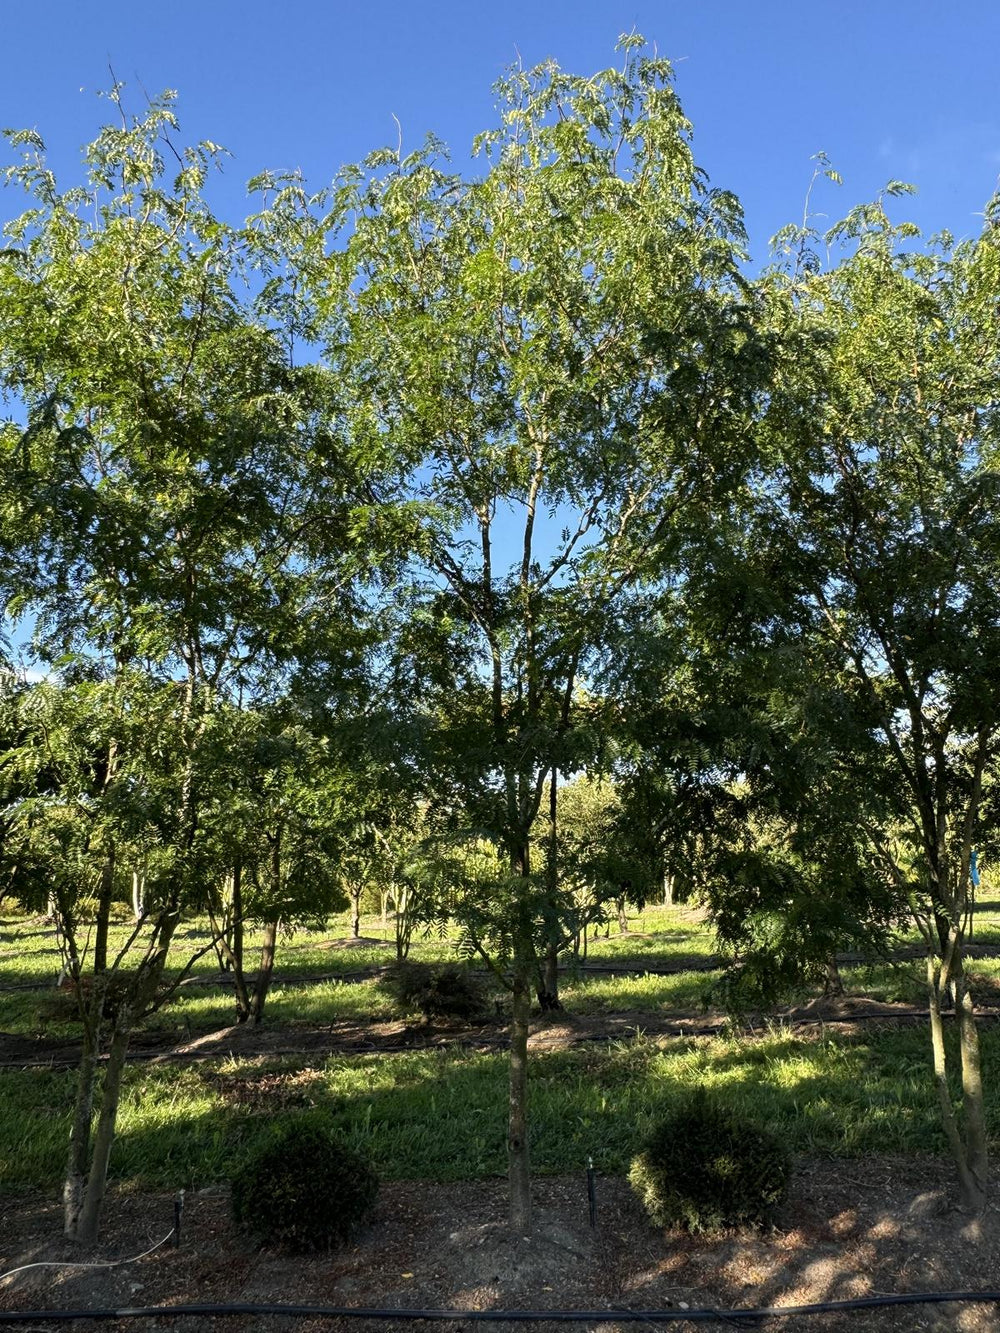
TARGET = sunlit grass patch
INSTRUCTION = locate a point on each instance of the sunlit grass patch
(601, 993)
(441, 1114)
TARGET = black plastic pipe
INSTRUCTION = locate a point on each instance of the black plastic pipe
(701, 1315)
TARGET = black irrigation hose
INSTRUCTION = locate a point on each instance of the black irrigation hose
(701, 1315)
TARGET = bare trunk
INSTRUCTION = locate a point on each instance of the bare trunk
(138, 893)
(230, 951)
(976, 1154)
(90, 1212)
(940, 1056)
(239, 975)
(668, 889)
(833, 984)
(266, 969)
(548, 980)
(404, 922)
(518, 1161)
(79, 1136)
(548, 990)
(356, 912)
(622, 916)
(238, 915)
(102, 923)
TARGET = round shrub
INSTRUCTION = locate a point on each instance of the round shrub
(704, 1167)
(303, 1188)
(448, 990)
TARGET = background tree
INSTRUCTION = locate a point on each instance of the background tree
(882, 499)
(558, 354)
(159, 506)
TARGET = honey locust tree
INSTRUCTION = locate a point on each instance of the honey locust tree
(158, 501)
(281, 806)
(884, 507)
(558, 355)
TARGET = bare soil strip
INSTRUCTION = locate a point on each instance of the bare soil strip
(847, 1229)
(553, 1032)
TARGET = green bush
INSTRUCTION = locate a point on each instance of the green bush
(445, 991)
(704, 1168)
(303, 1188)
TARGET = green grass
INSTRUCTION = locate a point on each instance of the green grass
(652, 993)
(659, 938)
(440, 1115)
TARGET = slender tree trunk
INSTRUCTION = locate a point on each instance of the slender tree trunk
(668, 889)
(622, 916)
(266, 969)
(548, 987)
(138, 893)
(90, 1212)
(102, 923)
(239, 974)
(231, 950)
(78, 1158)
(355, 895)
(967, 1182)
(834, 982)
(142, 992)
(404, 922)
(548, 992)
(518, 1160)
(976, 1152)
(238, 914)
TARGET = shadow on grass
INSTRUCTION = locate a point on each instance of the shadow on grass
(442, 1115)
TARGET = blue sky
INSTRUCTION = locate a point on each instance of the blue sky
(888, 88)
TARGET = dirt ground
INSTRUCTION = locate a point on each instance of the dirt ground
(548, 1032)
(847, 1229)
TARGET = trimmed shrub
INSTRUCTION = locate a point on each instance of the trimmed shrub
(703, 1167)
(446, 991)
(303, 1188)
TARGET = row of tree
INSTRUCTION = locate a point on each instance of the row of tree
(350, 534)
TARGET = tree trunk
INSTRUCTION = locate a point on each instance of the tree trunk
(104, 897)
(972, 1190)
(622, 916)
(90, 1212)
(231, 951)
(79, 1135)
(266, 969)
(548, 990)
(403, 922)
(548, 979)
(239, 975)
(138, 892)
(976, 1153)
(668, 889)
(833, 985)
(355, 895)
(518, 1161)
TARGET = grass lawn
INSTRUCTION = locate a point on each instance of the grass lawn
(440, 1115)
(660, 938)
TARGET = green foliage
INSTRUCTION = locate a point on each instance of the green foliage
(304, 1188)
(704, 1167)
(448, 991)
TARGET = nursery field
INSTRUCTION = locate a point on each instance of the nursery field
(844, 1076)
(844, 1081)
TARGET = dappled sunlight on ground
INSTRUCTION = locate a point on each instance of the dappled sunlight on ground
(447, 1246)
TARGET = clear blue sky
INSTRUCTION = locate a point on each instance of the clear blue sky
(888, 88)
